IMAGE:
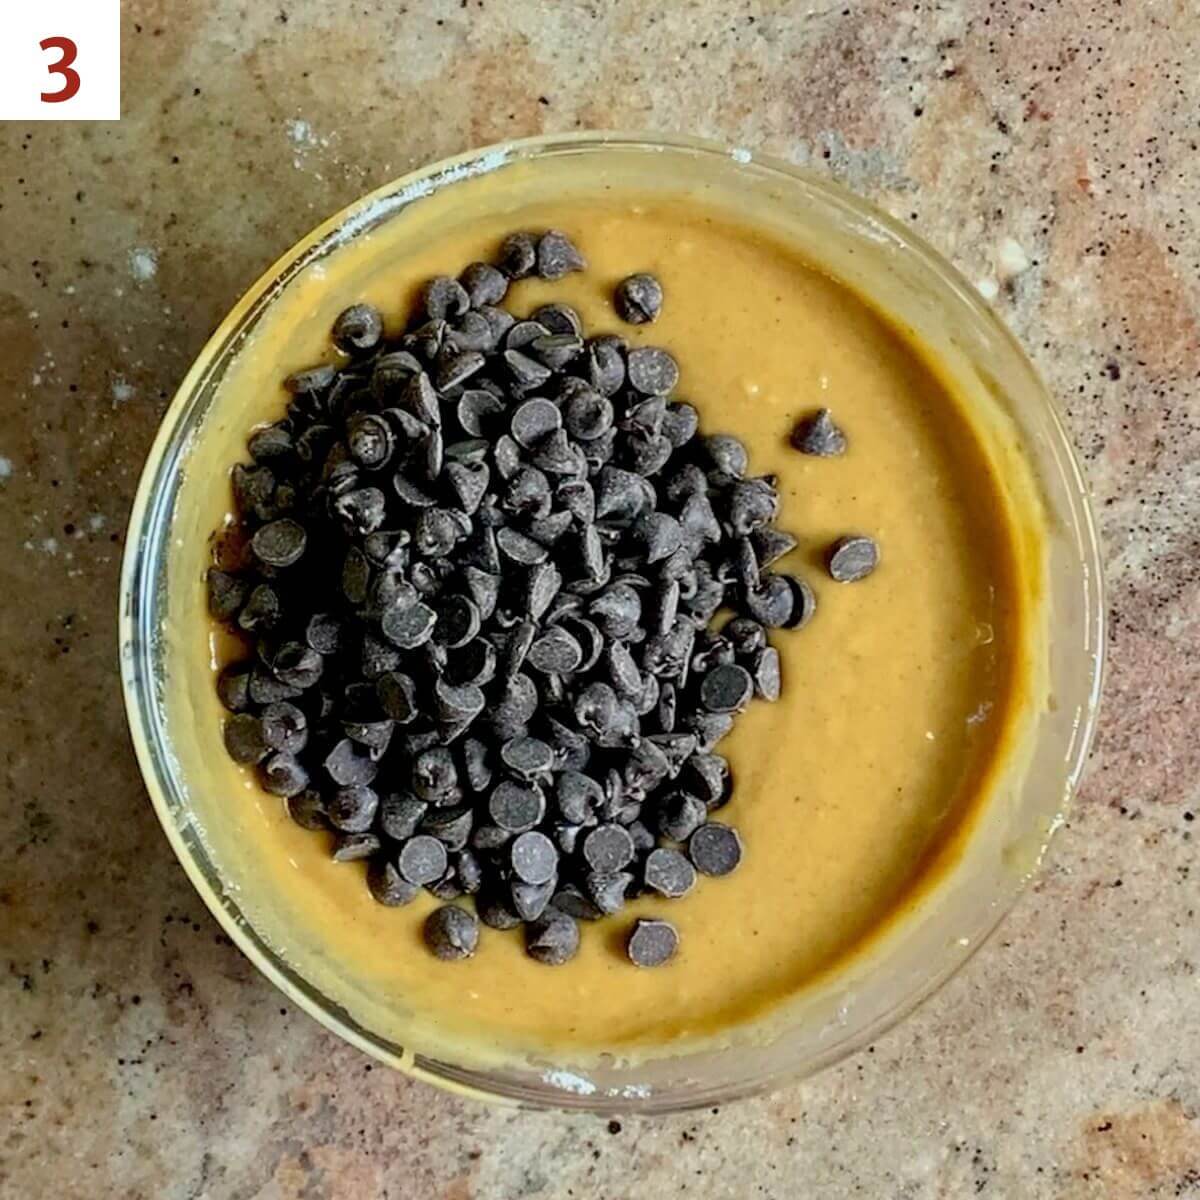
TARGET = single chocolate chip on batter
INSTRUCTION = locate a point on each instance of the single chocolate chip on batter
(652, 943)
(638, 299)
(852, 558)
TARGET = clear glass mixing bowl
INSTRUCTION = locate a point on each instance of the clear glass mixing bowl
(877, 257)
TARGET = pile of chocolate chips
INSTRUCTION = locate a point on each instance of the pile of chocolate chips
(480, 565)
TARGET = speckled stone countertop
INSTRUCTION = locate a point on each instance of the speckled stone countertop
(1050, 149)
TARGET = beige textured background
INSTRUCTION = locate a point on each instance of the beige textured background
(1050, 148)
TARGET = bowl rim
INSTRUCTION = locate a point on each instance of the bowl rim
(168, 446)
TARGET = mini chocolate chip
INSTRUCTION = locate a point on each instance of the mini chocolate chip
(408, 625)
(226, 594)
(638, 299)
(552, 939)
(715, 849)
(727, 454)
(557, 255)
(244, 739)
(679, 815)
(518, 255)
(307, 809)
(358, 329)
(534, 420)
(526, 372)
(516, 807)
(261, 612)
(451, 826)
(852, 558)
(668, 872)
(773, 602)
(607, 890)
(282, 775)
(352, 809)
(445, 297)
(312, 381)
(387, 886)
(353, 847)
(422, 859)
(284, 727)
(456, 368)
(558, 319)
(608, 848)
(533, 858)
(767, 682)
(527, 758)
(529, 900)
(726, 688)
(400, 814)
(652, 942)
(347, 764)
(483, 283)
(818, 435)
(451, 932)
(652, 371)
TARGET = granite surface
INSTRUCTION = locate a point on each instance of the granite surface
(1049, 148)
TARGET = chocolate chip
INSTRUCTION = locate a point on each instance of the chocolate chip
(451, 933)
(226, 594)
(528, 758)
(456, 368)
(387, 886)
(445, 297)
(529, 900)
(552, 939)
(518, 255)
(526, 372)
(516, 807)
(638, 299)
(399, 815)
(422, 859)
(458, 622)
(652, 371)
(353, 847)
(483, 283)
(668, 872)
(282, 775)
(767, 681)
(307, 809)
(348, 764)
(533, 858)
(818, 435)
(408, 625)
(261, 612)
(726, 688)
(607, 890)
(852, 558)
(352, 809)
(577, 795)
(244, 739)
(679, 815)
(312, 381)
(773, 602)
(358, 329)
(608, 848)
(558, 319)
(494, 911)
(284, 727)
(727, 455)
(557, 255)
(451, 826)
(652, 942)
(715, 849)
(533, 421)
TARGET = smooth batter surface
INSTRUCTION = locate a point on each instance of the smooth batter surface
(898, 698)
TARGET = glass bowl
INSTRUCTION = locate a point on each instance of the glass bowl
(857, 244)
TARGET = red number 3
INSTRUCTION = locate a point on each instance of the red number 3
(62, 67)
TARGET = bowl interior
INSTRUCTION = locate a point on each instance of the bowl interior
(178, 504)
